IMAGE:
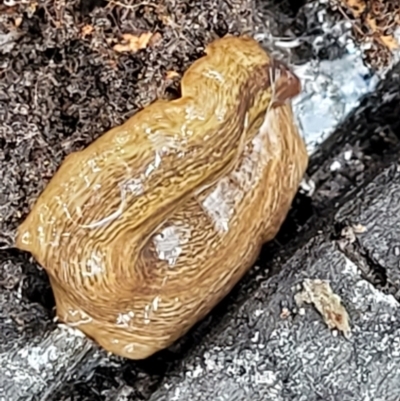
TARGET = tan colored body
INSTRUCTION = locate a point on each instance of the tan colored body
(144, 231)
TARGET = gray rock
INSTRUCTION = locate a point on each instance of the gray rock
(35, 356)
(34, 370)
(259, 354)
(377, 209)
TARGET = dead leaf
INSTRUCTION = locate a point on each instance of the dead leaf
(166, 20)
(326, 302)
(113, 64)
(32, 7)
(133, 43)
(359, 228)
(390, 42)
(18, 22)
(87, 30)
(387, 40)
(374, 22)
(171, 75)
(285, 313)
(156, 38)
(356, 6)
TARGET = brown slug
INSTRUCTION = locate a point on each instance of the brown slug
(143, 232)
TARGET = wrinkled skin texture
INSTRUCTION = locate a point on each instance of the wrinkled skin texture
(143, 232)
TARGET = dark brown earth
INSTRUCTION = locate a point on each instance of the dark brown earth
(60, 89)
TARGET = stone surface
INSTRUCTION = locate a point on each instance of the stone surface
(35, 369)
(377, 209)
(261, 354)
(264, 346)
(36, 356)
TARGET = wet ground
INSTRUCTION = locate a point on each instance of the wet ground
(63, 83)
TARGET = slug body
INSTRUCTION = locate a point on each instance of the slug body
(143, 232)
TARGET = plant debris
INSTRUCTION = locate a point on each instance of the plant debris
(375, 23)
(133, 43)
(328, 304)
(87, 30)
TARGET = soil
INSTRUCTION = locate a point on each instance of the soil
(62, 83)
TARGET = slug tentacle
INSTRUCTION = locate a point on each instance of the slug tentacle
(146, 229)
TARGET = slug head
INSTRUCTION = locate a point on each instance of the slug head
(231, 50)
